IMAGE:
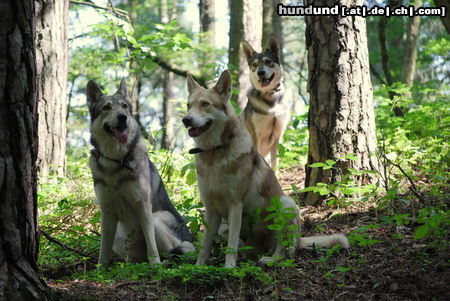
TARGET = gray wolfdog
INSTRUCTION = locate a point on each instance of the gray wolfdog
(267, 113)
(138, 221)
(234, 180)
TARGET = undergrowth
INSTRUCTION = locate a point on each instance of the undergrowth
(412, 192)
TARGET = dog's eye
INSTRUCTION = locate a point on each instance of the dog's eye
(107, 107)
(125, 106)
(205, 103)
(268, 62)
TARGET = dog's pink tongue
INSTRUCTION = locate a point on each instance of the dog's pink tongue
(122, 136)
(194, 132)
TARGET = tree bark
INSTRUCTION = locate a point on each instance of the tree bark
(445, 20)
(52, 61)
(410, 50)
(252, 32)
(341, 115)
(19, 279)
(235, 39)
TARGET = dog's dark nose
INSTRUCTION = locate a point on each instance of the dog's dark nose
(261, 72)
(187, 121)
(122, 118)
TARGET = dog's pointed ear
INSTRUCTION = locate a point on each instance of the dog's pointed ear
(223, 85)
(123, 88)
(248, 50)
(93, 92)
(191, 83)
(273, 45)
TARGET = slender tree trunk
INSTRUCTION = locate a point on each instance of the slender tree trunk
(445, 20)
(168, 112)
(134, 78)
(382, 25)
(341, 115)
(235, 39)
(52, 61)
(278, 27)
(252, 32)
(410, 50)
(19, 279)
(207, 28)
(272, 23)
(268, 14)
(168, 131)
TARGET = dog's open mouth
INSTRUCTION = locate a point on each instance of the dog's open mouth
(264, 82)
(120, 132)
(195, 132)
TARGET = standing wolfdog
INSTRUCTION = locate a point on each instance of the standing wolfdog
(267, 112)
(234, 180)
(138, 221)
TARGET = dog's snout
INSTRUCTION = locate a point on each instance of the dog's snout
(261, 72)
(187, 121)
(122, 118)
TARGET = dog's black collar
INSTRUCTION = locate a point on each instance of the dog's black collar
(200, 150)
(126, 160)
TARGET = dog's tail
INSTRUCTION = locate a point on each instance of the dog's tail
(324, 241)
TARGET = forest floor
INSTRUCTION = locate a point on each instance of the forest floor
(398, 267)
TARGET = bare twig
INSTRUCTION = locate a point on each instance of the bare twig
(58, 242)
(413, 186)
(166, 66)
(117, 11)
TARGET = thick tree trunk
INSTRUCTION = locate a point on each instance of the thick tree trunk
(18, 153)
(445, 20)
(207, 28)
(341, 115)
(410, 49)
(252, 20)
(51, 56)
(235, 40)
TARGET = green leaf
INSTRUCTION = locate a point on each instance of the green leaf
(281, 150)
(318, 164)
(422, 231)
(330, 162)
(352, 157)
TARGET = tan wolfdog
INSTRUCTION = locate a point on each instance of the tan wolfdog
(234, 180)
(267, 112)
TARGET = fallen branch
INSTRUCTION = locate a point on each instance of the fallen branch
(413, 186)
(127, 283)
(63, 245)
